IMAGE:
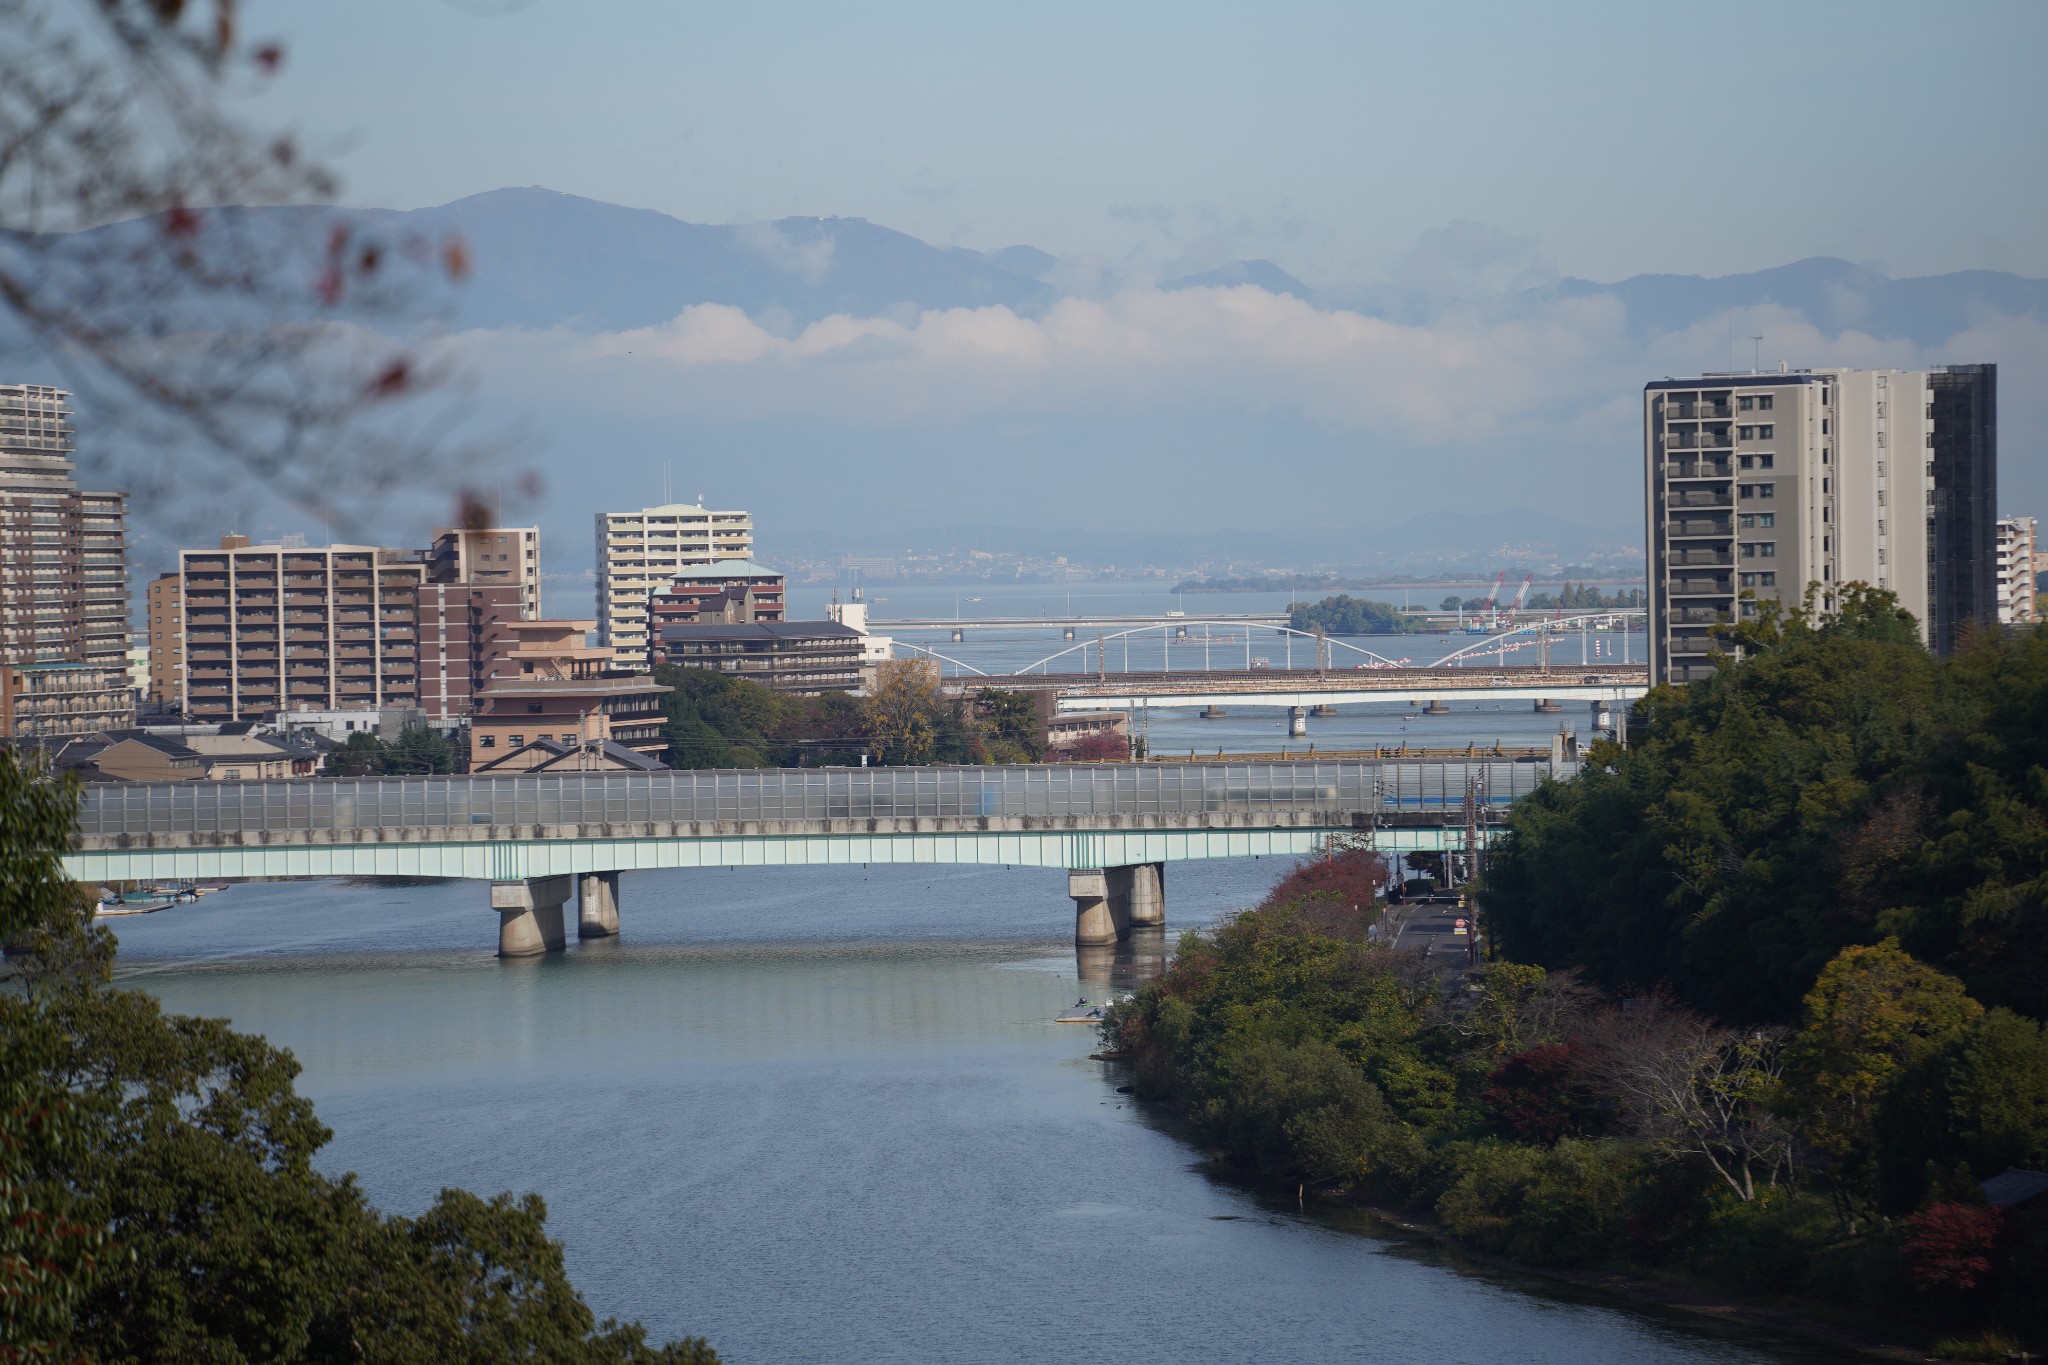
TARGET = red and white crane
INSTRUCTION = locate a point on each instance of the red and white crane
(1492, 595)
(1521, 596)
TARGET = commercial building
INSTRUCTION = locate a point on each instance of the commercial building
(540, 680)
(727, 592)
(270, 628)
(63, 578)
(1762, 484)
(2018, 561)
(640, 553)
(803, 657)
(490, 557)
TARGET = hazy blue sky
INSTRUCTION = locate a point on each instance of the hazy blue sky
(1622, 137)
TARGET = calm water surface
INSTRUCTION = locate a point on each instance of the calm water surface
(821, 1114)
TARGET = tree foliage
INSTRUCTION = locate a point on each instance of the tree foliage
(418, 749)
(1836, 786)
(1344, 614)
(162, 1203)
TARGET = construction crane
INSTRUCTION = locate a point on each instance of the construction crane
(1483, 620)
(1521, 596)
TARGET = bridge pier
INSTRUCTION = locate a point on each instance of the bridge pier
(1148, 894)
(1111, 902)
(1297, 720)
(1436, 708)
(598, 909)
(1094, 922)
(1548, 707)
(958, 635)
(1066, 632)
(1324, 710)
(530, 915)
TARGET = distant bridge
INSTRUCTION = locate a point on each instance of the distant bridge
(1070, 627)
(1309, 687)
(1113, 825)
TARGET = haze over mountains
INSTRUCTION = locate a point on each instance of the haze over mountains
(557, 260)
(855, 386)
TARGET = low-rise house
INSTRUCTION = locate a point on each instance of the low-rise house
(553, 756)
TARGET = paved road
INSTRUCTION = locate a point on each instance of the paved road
(1431, 929)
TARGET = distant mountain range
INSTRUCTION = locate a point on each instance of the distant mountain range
(546, 259)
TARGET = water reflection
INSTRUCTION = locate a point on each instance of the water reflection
(1111, 970)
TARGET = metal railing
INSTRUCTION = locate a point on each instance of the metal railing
(1108, 789)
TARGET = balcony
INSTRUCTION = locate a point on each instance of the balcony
(1701, 587)
(1681, 527)
(1698, 469)
(1721, 499)
(1716, 558)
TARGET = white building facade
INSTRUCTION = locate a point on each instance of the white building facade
(640, 552)
(2019, 560)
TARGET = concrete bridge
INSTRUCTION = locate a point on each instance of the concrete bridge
(542, 840)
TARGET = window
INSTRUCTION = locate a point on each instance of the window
(1749, 549)
(1764, 403)
(1745, 433)
(1767, 490)
(515, 740)
(487, 742)
(1746, 404)
(1880, 554)
(1749, 580)
(1767, 580)
(1766, 461)
(1749, 462)
(1745, 490)
(1880, 525)
(1767, 519)
(1930, 440)
(1823, 426)
(568, 739)
(533, 708)
(1766, 431)
(1880, 497)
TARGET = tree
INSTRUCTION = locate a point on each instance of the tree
(1690, 1088)
(907, 714)
(162, 1201)
(212, 346)
(1451, 603)
(1010, 725)
(1872, 1013)
(1104, 746)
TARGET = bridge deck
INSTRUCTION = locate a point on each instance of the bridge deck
(508, 827)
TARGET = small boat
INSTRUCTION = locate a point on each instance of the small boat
(1081, 1013)
(208, 888)
(126, 906)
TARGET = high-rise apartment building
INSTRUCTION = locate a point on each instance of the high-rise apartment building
(489, 557)
(640, 553)
(2018, 560)
(165, 599)
(1761, 484)
(271, 628)
(63, 578)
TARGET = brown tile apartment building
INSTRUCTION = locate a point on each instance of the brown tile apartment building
(270, 627)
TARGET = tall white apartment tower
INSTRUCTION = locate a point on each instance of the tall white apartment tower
(2019, 559)
(640, 552)
(1762, 484)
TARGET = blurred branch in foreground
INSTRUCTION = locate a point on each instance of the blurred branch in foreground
(227, 335)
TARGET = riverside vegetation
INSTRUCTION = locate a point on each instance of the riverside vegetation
(158, 1199)
(1766, 1005)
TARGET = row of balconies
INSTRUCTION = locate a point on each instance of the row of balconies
(1700, 526)
(1697, 439)
(1698, 469)
(1722, 499)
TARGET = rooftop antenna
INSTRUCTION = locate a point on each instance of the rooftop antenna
(667, 466)
(1756, 355)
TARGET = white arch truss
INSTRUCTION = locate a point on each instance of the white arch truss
(1379, 659)
(1533, 627)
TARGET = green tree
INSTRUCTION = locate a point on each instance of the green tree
(1872, 1014)
(1010, 725)
(157, 1172)
(1977, 1103)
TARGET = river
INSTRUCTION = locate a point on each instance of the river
(822, 1114)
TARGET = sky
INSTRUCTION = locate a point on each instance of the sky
(1625, 138)
(1455, 155)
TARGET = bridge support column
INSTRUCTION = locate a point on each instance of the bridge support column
(1436, 708)
(1148, 894)
(1297, 720)
(530, 915)
(1324, 710)
(598, 911)
(1094, 921)
(1548, 707)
